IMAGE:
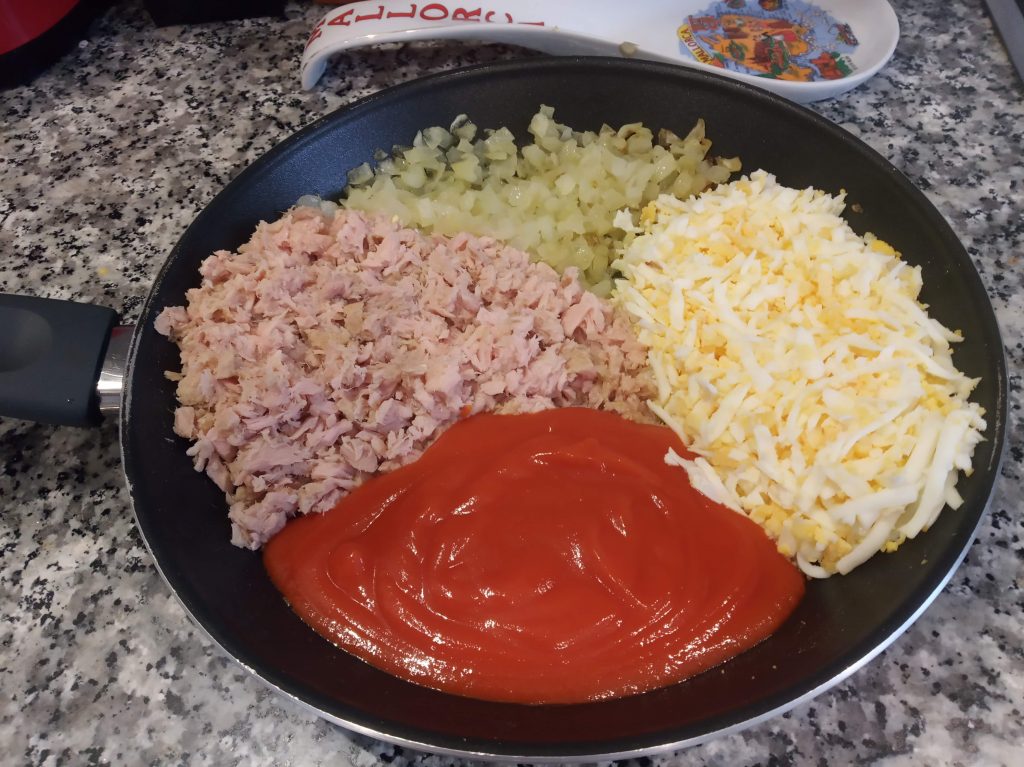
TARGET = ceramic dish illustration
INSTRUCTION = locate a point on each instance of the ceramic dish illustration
(780, 39)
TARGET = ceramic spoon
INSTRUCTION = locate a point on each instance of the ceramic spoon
(859, 37)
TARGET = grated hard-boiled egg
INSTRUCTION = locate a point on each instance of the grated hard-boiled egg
(793, 357)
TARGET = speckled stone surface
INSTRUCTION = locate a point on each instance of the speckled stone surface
(105, 159)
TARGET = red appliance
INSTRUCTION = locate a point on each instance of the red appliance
(35, 33)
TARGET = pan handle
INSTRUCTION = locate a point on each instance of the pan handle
(51, 355)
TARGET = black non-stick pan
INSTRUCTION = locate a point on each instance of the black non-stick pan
(841, 624)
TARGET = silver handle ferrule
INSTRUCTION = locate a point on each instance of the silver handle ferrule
(110, 385)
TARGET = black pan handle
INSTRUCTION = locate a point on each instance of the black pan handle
(50, 357)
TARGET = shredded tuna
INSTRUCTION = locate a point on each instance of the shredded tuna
(330, 348)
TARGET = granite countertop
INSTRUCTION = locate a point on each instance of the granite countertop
(104, 160)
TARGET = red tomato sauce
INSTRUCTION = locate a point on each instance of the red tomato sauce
(544, 558)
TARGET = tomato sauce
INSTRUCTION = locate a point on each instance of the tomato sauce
(544, 558)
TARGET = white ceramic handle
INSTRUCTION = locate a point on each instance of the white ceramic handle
(560, 27)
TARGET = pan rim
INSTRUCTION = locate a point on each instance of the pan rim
(442, 743)
(574, 756)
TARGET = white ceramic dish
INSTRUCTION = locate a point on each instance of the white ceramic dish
(836, 44)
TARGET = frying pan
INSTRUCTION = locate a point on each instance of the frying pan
(842, 622)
